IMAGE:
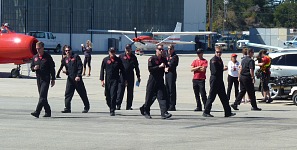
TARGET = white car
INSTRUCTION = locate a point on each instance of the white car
(293, 94)
(283, 63)
(240, 44)
(49, 40)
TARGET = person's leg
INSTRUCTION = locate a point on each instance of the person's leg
(81, 90)
(229, 88)
(69, 92)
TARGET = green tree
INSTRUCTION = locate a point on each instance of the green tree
(285, 15)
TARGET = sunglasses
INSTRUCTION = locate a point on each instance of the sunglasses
(161, 49)
(219, 52)
(67, 50)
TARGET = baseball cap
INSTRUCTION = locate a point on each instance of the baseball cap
(199, 51)
(233, 55)
(128, 46)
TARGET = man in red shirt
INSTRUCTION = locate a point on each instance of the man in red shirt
(199, 66)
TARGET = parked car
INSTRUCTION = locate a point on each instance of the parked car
(226, 42)
(293, 94)
(49, 40)
(283, 63)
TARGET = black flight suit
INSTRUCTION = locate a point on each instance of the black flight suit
(112, 68)
(246, 82)
(170, 80)
(74, 69)
(44, 74)
(217, 86)
(130, 63)
(155, 85)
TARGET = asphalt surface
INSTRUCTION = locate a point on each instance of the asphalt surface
(273, 128)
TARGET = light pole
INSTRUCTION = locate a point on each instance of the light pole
(225, 14)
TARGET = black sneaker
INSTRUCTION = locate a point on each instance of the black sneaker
(147, 115)
(256, 109)
(198, 109)
(166, 115)
(269, 100)
(85, 111)
(58, 77)
(141, 110)
(172, 108)
(112, 113)
(230, 115)
(207, 115)
(35, 114)
(47, 115)
(66, 111)
(234, 107)
(129, 108)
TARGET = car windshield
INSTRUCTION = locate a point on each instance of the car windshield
(37, 34)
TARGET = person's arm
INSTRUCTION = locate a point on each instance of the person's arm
(79, 66)
(102, 70)
(32, 64)
(136, 65)
(151, 66)
(52, 68)
(174, 62)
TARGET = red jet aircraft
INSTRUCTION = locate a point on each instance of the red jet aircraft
(15, 48)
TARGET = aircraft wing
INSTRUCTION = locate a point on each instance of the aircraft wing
(264, 46)
(183, 33)
(114, 31)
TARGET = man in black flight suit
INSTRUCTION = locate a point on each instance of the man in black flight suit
(155, 85)
(170, 77)
(73, 65)
(130, 63)
(247, 80)
(112, 66)
(44, 66)
(217, 85)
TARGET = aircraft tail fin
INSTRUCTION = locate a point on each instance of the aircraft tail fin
(177, 29)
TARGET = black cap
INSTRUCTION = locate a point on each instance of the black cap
(128, 46)
(199, 51)
(111, 49)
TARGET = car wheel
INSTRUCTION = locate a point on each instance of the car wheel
(58, 49)
(294, 98)
(274, 92)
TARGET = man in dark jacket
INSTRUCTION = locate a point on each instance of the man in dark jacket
(155, 85)
(112, 65)
(130, 63)
(44, 66)
(74, 69)
(170, 77)
(217, 85)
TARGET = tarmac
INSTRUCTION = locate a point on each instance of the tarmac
(273, 128)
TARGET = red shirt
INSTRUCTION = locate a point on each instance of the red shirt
(199, 74)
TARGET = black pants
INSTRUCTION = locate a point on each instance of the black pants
(217, 87)
(155, 88)
(170, 84)
(87, 61)
(246, 85)
(60, 69)
(43, 86)
(111, 88)
(231, 81)
(264, 81)
(199, 89)
(79, 86)
(130, 89)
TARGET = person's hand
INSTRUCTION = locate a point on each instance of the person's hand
(225, 67)
(102, 83)
(162, 65)
(77, 79)
(253, 80)
(126, 83)
(36, 67)
(139, 79)
(166, 69)
(53, 82)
